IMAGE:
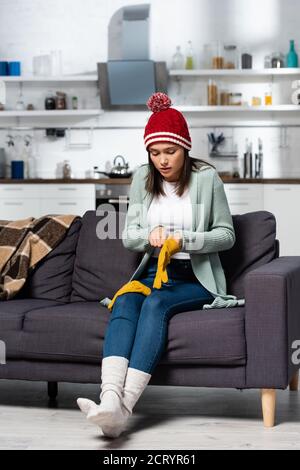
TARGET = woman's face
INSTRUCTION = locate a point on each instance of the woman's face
(167, 156)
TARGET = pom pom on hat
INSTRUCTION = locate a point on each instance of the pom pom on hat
(158, 102)
(166, 124)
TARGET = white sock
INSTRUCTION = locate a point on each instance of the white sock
(110, 412)
(85, 405)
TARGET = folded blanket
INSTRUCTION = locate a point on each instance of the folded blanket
(25, 242)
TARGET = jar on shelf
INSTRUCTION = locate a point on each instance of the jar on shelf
(235, 99)
(74, 102)
(212, 93)
(268, 62)
(67, 170)
(230, 57)
(256, 101)
(277, 60)
(217, 54)
(224, 97)
(60, 100)
(269, 97)
(50, 102)
(246, 60)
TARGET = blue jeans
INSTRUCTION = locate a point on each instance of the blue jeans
(138, 325)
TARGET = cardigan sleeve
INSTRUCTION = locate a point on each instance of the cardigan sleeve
(221, 234)
(134, 236)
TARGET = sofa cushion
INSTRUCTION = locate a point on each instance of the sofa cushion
(12, 314)
(101, 266)
(255, 246)
(75, 333)
(52, 277)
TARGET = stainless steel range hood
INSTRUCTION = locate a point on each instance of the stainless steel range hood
(129, 77)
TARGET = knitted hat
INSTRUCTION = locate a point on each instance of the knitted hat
(166, 124)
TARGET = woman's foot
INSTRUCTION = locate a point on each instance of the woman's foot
(110, 431)
(86, 405)
(109, 413)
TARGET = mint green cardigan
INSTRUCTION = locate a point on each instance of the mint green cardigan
(212, 230)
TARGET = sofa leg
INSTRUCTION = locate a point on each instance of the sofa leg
(294, 382)
(52, 390)
(268, 401)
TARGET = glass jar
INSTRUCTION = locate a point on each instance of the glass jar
(224, 98)
(268, 62)
(67, 170)
(235, 99)
(256, 101)
(217, 52)
(247, 60)
(212, 93)
(50, 102)
(230, 57)
(268, 99)
(60, 100)
(74, 102)
(277, 60)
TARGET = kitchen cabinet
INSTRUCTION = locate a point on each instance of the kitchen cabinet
(35, 200)
(281, 199)
(243, 198)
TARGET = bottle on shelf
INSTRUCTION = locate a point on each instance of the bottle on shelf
(190, 61)
(10, 155)
(178, 59)
(292, 57)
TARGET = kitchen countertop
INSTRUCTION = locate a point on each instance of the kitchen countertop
(225, 179)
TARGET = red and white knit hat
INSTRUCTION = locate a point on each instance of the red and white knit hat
(166, 124)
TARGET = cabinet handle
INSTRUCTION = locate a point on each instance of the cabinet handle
(67, 189)
(13, 203)
(67, 203)
(13, 189)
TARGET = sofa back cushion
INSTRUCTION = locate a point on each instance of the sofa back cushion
(255, 245)
(101, 266)
(52, 277)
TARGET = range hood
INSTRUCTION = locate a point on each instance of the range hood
(129, 77)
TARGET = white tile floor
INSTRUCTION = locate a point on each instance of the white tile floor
(164, 418)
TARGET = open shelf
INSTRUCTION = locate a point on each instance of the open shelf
(235, 72)
(243, 109)
(52, 113)
(58, 78)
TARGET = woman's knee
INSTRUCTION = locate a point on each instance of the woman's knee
(127, 304)
(154, 307)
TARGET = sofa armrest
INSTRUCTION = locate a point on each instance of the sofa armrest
(272, 322)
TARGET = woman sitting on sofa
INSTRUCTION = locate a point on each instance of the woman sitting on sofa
(186, 223)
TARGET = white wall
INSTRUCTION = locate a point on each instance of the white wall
(79, 29)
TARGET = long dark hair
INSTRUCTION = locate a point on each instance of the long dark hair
(154, 179)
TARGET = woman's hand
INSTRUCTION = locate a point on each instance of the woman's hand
(158, 236)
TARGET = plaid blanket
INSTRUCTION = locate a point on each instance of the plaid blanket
(23, 243)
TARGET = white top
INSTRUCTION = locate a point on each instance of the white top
(172, 211)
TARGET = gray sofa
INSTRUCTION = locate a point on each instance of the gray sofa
(54, 329)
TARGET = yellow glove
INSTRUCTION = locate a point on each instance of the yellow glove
(169, 248)
(132, 286)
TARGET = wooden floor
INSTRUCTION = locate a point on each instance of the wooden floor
(164, 418)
